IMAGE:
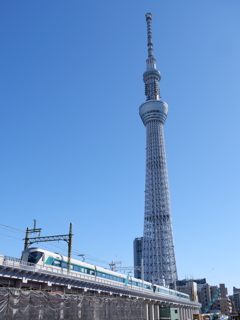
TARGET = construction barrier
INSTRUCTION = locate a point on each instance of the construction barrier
(19, 304)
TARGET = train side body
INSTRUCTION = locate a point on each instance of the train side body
(42, 258)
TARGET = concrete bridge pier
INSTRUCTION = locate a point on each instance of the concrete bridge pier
(145, 311)
(151, 311)
(156, 312)
(186, 312)
(182, 313)
(191, 313)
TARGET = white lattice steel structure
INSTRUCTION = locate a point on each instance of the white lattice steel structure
(158, 248)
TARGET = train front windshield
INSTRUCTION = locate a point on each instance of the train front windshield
(34, 257)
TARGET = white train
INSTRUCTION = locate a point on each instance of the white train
(43, 258)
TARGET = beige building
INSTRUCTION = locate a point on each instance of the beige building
(201, 291)
(190, 288)
(223, 302)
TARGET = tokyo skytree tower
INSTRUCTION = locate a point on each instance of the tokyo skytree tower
(158, 248)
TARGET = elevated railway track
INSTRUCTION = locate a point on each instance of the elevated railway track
(16, 273)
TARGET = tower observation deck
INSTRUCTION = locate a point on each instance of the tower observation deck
(158, 248)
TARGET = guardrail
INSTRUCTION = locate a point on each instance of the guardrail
(14, 263)
(19, 265)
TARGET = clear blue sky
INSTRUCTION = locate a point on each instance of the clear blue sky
(73, 144)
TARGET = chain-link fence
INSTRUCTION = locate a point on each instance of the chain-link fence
(18, 304)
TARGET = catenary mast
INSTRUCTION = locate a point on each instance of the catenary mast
(158, 248)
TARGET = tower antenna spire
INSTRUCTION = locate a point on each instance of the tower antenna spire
(151, 76)
(149, 34)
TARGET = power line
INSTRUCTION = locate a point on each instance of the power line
(12, 228)
(9, 236)
(75, 251)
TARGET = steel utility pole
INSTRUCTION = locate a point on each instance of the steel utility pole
(65, 237)
(114, 268)
(30, 231)
(69, 246)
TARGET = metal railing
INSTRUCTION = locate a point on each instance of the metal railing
(14, 263)
(19, 265)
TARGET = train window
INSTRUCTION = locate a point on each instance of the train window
(34, 257)
(91, 272)
(64, 265)
(100, 274)
(147, 287)
(76, 268)
(56, 263)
